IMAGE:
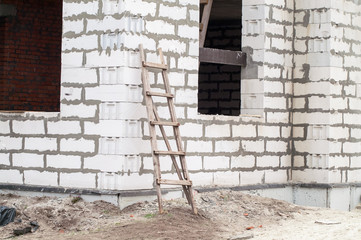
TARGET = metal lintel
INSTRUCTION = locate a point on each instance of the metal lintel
(219, 56)
(7, 10)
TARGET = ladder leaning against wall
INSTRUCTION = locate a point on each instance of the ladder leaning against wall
(155, 120)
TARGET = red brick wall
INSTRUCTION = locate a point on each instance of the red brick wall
(30, 56)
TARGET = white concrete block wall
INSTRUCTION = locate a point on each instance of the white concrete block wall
(293, 86)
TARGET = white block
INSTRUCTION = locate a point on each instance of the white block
(186, 31)
(77, 145)
(312, 146)
(250, 178)
(199, 146)
(318, 132)
(63, 161)
(174, 46)
(160, 27)
(213, 163)
(352, 147)
(41, 144)
(79, 75)
(192, 130)
(115, 58)
(217, 131)
(311, 118)
(201, 178)
(226, 146)
(115, 93)
(10, 143)
(76, 26)
(70, 9)
(41, 178)
(318, 161)
(28, 160)
(125, 182)
(78, 111)
(269, 131)
(114, 128)
(253, 146)
(244, 131)
(4, 159)
(29, 127)
(120, 75)
(243, 162)
(64, 127)
(194, 163)
(4, 127)
(77, 180)
(123, 146)
(70, 93)
(226, 178)
(113, 163)
(175, 13)
(72, 60)
(186, 96)
(279, 176)
(268, 161)
(11, 176)
(84, 42)
(188, 63)
(122, 110)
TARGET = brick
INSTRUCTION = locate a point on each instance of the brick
(70, 9)
(277, 117)
(29, 127)
(11, 143)
(188, 63)
(243, 162)
(28, 160)
(71, 94)
(186, 31)
(226, 178)
(226, 146)
(268, 161)
(340, 162)
(174, 46)
(217, 131)
(63, 127)
(74, 26)
(199, 146)
(83, 180)
(352, 147)
(77, 145)
(63, 161)
(41, 178)
(72, 59)
(41, 144)
(139, 7)
(353, 175)
(11, 176)
(312, 146)
(244, 131)
(84, 42)
(4, 127)
(213, 163)
(311, 175)
(341, 133)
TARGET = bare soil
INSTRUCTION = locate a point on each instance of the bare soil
(222, 215)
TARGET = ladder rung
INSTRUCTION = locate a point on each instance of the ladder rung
(168, 95)
(155, 65)
(169, 153)
(175, 182)
(203, 1)
(174, 124)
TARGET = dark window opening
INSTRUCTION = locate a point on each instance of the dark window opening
(219, 84)
(30, 55)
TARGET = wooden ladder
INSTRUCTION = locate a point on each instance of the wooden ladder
(207, 6)
(155, 120)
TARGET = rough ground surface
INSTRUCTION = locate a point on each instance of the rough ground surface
(223, 215)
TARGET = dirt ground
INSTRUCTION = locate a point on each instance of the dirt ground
(222, 215)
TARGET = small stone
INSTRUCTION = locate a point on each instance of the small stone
(241, 237)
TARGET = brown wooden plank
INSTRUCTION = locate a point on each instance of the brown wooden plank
(157, 94)
(174, 124)
(174, 182)
(169, 153)
(205, 19)
(219, 56)
(155, 65)
(203, 1)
